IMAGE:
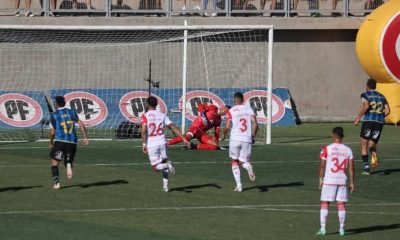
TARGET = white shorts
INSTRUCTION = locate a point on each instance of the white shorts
(240, 151)
(330, 193)
(157, 154)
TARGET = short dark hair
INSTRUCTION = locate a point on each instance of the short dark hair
(338, 131)
(371, 83)
(60, 101)
(152, 101)
(228, 106)
(238, 95)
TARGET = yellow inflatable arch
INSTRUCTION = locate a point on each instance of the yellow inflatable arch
(378, 50)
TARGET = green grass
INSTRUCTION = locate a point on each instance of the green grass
(127, 201)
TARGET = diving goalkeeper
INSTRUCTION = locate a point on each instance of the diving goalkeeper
(209, 118)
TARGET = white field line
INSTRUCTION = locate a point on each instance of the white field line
(245, 207)
(175, 163)
(179, 146)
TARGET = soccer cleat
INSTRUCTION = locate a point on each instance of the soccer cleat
(165, 188)
(321, 232)
(342, 232)
(374, 160)
(56, 185)
(366, 172)
(170, 167)
(252, 175)
(238, 188)
(70, 173)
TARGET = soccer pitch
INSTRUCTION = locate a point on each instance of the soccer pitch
(115, 194)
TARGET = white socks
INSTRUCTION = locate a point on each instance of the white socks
(236, 173)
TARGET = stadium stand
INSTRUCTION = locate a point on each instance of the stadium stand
(119, 8)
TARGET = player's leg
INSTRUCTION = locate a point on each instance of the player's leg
(328, 194)
(207, 142)
(341, 199)
(234, 153)
(365, 135)
(323, 216)
(70, 150)
(376, 132)
(56, 155)
(178, 139)
(159, 164)
(244, 157)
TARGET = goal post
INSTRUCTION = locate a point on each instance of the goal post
(101, 72)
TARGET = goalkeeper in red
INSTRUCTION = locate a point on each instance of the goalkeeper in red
(209, 118)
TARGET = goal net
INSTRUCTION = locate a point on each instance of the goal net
(105, 73)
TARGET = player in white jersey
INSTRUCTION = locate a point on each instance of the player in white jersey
(336, 160)
(154, 142)
(242, 124)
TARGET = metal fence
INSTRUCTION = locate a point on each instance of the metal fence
(119, 8)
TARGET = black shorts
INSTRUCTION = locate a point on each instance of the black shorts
(371, 130)
(63, 151)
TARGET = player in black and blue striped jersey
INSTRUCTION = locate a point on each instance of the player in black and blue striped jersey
(63, 139)
(373, 112)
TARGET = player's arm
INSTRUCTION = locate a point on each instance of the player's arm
(178, 132)
(351, 175)
(387, 109)
(143, 134)
(84, 132)
(227, 128)
(364, 109)
(254, 127)
(322, 165)
(52, 131)
(217, 132)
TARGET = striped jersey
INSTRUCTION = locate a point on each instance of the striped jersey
(63, 121)
(376, 110)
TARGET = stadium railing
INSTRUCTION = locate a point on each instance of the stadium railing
(273, 8)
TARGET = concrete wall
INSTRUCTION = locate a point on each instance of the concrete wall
(318, 66)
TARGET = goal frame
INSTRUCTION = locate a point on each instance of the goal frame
(184, 28)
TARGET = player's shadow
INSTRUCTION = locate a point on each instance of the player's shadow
(371, 229)
(99, 184)
(18, 188)
(190, 188)
(386, 171)
(265, 188)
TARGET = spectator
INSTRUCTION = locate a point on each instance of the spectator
(314, 6)
(334, 13)
(196, 6)
(27, 7)
(372, 4)
(88, 4)
(53, 7)
(214, 8)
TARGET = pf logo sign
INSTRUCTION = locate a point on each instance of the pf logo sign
(257, 100)
(19, 110)
(390, 47)
(133, 105)
(194, 98)
(90, 108)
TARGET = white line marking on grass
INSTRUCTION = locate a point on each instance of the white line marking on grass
(244, 207)
(175, 162)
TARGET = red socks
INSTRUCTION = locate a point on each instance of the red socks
(206, 146)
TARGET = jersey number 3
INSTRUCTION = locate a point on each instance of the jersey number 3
(243, 121)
